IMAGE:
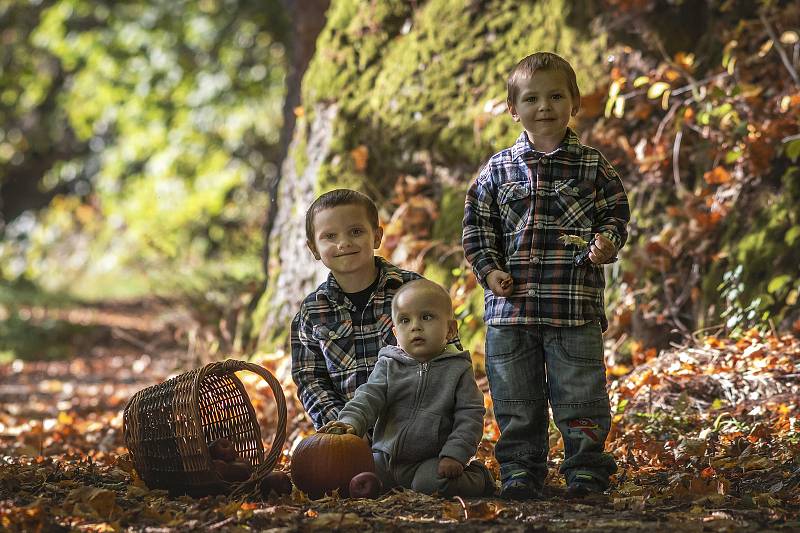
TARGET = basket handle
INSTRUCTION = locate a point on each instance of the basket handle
(235, 365)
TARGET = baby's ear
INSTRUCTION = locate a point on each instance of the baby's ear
(313, 249)
(452, 329)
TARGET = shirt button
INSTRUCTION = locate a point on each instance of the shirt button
(532, 292)
(535, 260)
(331, 334)
(575, 190)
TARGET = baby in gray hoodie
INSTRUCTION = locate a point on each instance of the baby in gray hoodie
(423, 401)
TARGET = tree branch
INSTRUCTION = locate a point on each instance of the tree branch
(781, 52)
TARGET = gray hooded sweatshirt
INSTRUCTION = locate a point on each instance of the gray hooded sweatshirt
(420, 410)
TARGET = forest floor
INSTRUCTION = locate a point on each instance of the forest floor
(707, 438)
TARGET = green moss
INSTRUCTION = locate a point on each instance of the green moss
(427, 88)
(299, 153)
(451, 213)
(439, 274)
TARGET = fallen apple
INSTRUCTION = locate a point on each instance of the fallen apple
(234, 471)
(223, 449)
(277, 482)
(365, 485)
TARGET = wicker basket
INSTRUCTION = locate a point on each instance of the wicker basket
(168, 428)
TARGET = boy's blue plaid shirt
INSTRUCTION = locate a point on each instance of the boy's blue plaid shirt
(522, 202)
(334, 350)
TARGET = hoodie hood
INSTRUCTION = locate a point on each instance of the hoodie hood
(399, 355)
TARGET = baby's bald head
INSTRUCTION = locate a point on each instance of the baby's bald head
(415, 289)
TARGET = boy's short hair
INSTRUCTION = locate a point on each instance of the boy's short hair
(542, 61)
(442, 295)
(336, 198)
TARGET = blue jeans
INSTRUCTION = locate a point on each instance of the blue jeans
(529, 365)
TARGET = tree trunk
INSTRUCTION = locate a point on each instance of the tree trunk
(307, 18)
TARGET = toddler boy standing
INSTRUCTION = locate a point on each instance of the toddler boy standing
(424, 402)
(341, 326)
(544, 310)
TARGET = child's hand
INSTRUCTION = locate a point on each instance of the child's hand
(501, 283)
(450, 468)
(337, 427)
(602, 249)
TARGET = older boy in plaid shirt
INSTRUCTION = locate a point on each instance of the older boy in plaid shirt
(544, 300)
(342, 325)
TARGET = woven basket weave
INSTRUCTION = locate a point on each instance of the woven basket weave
(168, 428)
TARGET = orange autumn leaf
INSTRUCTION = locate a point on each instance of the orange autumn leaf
(717, 175)
(360, 155)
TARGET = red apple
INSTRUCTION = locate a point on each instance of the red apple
(277, 482)
(223, 450)
(235, 471)
(365, 485)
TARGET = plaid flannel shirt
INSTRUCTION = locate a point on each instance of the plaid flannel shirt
(522, 202)
(333, 349)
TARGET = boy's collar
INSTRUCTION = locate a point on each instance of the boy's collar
(388, 274)
(523, 146)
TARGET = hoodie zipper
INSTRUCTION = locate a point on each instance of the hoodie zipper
(422, 372)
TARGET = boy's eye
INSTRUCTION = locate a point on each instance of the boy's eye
(328, 235)
(403, 320)
(557, 97)
(530, 99)
(358, 231)
(427, 316)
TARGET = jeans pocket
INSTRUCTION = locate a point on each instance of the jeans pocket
(576, 369)
(514, 364)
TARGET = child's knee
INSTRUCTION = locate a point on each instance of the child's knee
(429, 485)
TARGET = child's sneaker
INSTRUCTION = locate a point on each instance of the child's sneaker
(520, 486)
(491, 486)
(583, 485)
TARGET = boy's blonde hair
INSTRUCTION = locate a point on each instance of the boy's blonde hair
(336, 198)
(542, 61)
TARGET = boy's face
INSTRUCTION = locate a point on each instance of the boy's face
(344, 239)
(544, 105)
(422, 323)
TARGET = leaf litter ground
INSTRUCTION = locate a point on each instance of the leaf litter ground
(707, 438)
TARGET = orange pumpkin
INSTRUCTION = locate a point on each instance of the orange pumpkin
(324, 462)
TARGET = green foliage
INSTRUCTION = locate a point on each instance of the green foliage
(709, 136)
(451, 214)
(763, 276)
(180, 104)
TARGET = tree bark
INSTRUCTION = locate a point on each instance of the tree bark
(307, 18)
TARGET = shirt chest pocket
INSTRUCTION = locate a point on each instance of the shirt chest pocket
(515, 204)
(573, 206)
(336, 342)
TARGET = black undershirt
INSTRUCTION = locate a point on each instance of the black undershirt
(361, 298)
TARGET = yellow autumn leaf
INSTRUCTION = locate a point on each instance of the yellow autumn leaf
(657, 89)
